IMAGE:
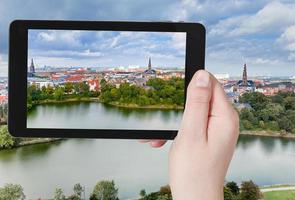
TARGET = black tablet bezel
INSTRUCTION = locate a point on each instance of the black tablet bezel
(18, 43)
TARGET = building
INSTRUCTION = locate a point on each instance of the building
(245, 85)
(150, 73)
(31, 71)
(94, 85)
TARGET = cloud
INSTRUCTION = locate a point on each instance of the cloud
(287, 39)
(272, 18)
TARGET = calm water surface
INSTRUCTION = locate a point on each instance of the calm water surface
(133, 166)
(97, 115)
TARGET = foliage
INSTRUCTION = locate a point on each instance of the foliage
(249, 191)
(233, 187)
(6, 140)
(12, 192)
(276, 113)
(142, 193)
(228, 195)
(59, 194)
(105, 190)
(157, 91)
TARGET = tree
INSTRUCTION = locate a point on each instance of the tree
(257, 100)
(249, 191)
(105, 190)
(59, 194)
(12, 192)
(234, 188)
(78, 190)
(69, 87)
(142, 193)
(228, 195)
(6, 140)
(59, 93)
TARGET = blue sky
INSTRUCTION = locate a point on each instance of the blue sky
(261, 33)
(64, 48)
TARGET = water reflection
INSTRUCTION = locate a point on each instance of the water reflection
(96, 115)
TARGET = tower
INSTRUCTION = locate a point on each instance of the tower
(150, 64)
(245, 78)
(32, 67)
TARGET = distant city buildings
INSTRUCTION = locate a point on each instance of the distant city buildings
(134, 75)
(268, 86)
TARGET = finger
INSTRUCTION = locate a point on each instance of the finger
(195, 117)
(157, 143)
(220, 104)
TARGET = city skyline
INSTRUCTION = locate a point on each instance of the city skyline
(63, 48)
(237, 31)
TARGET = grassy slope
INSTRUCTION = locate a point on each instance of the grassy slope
(280, 195)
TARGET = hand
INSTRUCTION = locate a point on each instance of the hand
(200, 154)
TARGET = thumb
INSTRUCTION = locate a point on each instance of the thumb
(195, 118)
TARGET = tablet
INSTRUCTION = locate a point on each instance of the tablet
(89, 79)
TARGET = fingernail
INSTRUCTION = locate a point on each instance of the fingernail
(202, 79)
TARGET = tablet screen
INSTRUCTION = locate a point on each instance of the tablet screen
(81, 79)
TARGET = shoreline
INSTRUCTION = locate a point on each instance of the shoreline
(35, 141)
(115, 104)
(266, 133)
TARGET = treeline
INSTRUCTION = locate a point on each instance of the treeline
(247, 191)
(107, 190)
(275, 113)
(58, 93)
(156, 92)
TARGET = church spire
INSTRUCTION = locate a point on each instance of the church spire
(32, 66)
(150, 64)
(245, 77)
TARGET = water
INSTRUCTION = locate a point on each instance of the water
(92, 115)
(133, 166)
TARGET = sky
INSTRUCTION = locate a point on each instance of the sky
(262, 34)
(107, 49)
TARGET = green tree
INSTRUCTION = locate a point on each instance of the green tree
(69, 87)
(6, 140)
(257, 100)
(105, 190)
(228, 195)
(249, 191)
(12, 192)
(78, 190)
(59, 93)
(59, 194)
(233, 186)
(142, 193)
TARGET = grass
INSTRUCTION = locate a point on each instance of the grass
(280, 195)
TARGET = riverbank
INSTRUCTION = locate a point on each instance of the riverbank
(267, 133)
(116, 104)
(33, 141)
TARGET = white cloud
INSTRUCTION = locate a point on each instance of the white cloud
(264, 61)
(287, 39)
(179, 41)
(272, 18)
(70, 38)
(66, 54)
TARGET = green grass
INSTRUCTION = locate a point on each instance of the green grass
(280, 195)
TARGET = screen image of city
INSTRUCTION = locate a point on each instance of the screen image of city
(105, 79)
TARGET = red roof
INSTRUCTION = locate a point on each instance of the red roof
(74, 78)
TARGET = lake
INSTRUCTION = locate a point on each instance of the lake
(94, 115)
(133, 166)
